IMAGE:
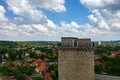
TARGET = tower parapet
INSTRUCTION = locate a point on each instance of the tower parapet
(76, 43)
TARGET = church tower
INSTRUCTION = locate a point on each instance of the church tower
(75, 59)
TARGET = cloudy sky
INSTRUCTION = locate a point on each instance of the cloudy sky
(53, 19)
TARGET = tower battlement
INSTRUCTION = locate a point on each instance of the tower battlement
(76, 43)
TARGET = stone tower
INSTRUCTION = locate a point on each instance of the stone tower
(75, 59)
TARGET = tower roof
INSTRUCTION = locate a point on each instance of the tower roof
(69, 38)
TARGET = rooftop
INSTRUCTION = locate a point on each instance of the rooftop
(69, 38)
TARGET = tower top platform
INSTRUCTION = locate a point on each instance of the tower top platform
(76, 43)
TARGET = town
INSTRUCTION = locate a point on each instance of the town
(20, 61)
(32, 61)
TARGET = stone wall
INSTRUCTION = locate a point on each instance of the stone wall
(75, 64)
(105, 77)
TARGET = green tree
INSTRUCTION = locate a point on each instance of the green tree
(0, 58)
(98, 68)
(20, 77)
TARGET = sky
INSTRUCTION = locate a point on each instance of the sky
(36, 20)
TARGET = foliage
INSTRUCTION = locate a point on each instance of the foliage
(110, 66)
(3, 50)
(113, 66)
(6, 70)
(25, 70)
(106, 49)
(98, 69)
(37, 78)
(53, 70)
(20, 77)
(8, 44)
(0, 58)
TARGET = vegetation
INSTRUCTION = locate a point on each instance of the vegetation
(10, 52)
(109, 66)
(13, 59)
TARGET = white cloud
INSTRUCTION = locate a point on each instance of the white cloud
(40, 28)
(92, 4)
(116, 25)
(18, 6)
(92, 18)
(31, 21)
(103, 25)
(25, 26)
(55, 5)
(32, 24)
(105, 16)
(2, 15)
(5, 26)
(2, 10)
(29, 12)
(50, 24)
(70, 26)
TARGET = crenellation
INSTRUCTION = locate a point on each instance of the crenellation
(75, 42)
(77, 48)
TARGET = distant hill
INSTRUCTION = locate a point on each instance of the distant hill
(8, 43)
(108, 42)
(24, 43)
(44, 42)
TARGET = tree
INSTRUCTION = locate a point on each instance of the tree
(33, 55)
(98, 68)
(6, 70)
(0, 58)
(12, 54)
(20, 77)
(37, 78)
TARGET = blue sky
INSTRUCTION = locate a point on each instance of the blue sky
(75, 12)
(53, 19)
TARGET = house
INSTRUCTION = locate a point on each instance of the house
(97, 57)
(38, 62)
(26, 54)
(54, 54)
(11, 78)
(28, 77)
(98, 63)
(16, 63)
(7, 55)
(41, 68)
(27, 64)
(114, 54)
(39, 52)
(48, 76)
(46, 59)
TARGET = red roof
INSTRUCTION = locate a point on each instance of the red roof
(48, 76)
(28, 78)
(97, 62)
(39, 62)
(116, 52)
(54, 54)
(11, 78)
(41, 68)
